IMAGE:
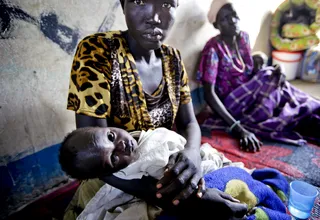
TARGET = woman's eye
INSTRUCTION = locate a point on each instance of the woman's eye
(111, 136)
(114, 159)
(138, 2)
(223, 20)
(166, 5)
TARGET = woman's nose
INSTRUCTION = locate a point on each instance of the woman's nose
(233, 20)
(154, 16)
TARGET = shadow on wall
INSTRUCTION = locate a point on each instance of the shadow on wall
(49, 24)
(262, 42)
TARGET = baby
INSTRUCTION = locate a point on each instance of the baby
(260, 61)
(96, 152)
(93, 152)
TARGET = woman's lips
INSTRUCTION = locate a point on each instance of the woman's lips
(153, 37)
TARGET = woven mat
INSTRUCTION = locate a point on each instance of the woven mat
(315, 214)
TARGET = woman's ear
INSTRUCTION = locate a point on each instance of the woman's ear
(215, 25)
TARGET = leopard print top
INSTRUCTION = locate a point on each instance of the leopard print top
(105, 83)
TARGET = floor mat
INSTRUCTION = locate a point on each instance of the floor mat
(294, 162)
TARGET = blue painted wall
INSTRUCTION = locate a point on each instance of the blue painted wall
(37, 43)
(27, 178)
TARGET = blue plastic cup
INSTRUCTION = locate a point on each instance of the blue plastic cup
(301, 199)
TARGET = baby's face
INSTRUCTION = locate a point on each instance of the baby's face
(258, 63)
(116, 145)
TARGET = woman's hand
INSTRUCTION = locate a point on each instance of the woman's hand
(182, 176)
(224, 205)
(248, 141)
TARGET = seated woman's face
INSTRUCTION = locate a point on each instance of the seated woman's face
(227, 21)
(149, 21)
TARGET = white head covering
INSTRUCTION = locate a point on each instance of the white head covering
(216, 5)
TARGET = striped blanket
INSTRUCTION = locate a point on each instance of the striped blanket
(272, 111)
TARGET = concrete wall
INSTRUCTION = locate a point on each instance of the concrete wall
(37, 41)
(192, 30)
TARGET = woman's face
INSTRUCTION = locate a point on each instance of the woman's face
(149, 21)
(227, 21)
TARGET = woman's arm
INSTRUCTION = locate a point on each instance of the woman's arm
(247, 139)
(88, 121)
(213, 200)
(144, 188)
(184, 170)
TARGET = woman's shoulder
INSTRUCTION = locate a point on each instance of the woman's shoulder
(244, 35)
(211, 44)
(171, 51)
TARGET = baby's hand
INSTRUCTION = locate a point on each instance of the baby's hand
(278, 72)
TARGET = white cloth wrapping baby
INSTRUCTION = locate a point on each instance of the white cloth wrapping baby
(152, 155)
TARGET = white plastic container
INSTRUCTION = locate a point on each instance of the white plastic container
(289, 62)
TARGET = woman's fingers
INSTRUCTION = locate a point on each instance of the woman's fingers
(168, 175)
(172, 161)
(229, 197)
(195, 185)
(244, 144)
(254, 144)
(188, 191)
(245, 140)
(177, 183)
(201, 188)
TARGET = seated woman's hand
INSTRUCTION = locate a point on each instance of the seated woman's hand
(182, 176)
(248, 141)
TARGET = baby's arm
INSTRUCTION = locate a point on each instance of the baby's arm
(144, 188)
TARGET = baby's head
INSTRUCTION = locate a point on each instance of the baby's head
(92, 152)
(260, 60)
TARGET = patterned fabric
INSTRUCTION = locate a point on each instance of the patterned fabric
(272, 112)
(216, 67)
(105, 83)
(306, 40)
(296, 30)
(264, 107)
(159, 106)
